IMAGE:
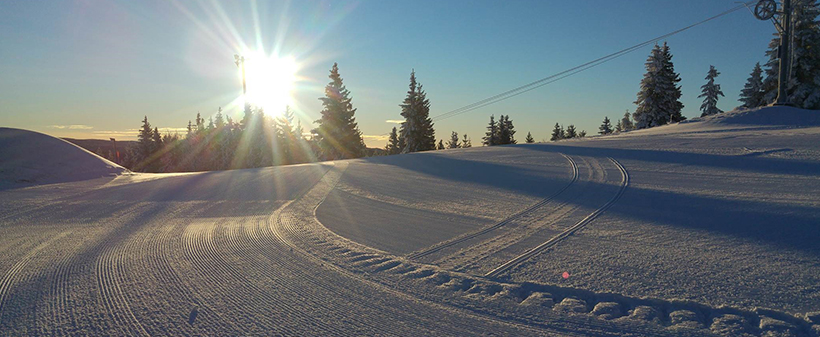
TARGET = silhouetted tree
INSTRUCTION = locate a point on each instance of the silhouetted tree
(453, 143)
(606, 127)
(338, 135)
(417, 133)
(529, 138)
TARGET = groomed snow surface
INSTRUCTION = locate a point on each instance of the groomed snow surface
(709, 227)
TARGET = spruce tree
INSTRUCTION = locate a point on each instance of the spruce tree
(503, 135)
(393, 143)
(145, 141)
(417, 133)
(529, 138)
(626, 122)
(200, 123)
(338, 135)
(506, 131)
(659, 98)
(606, 127)
(440, 145)
(710, 92)
(491, 136)
(570, 132)
(453, 143)
(466, 143)
(219, 121)
(156, 137)
(619, 127)
(671, 98)
(557, 133)
(582, 134)
(803, 88)
(752, 95)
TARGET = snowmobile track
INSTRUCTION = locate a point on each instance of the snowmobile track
(502, 223)
(569, 231)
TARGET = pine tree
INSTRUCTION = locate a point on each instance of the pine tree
(466, 143)
(582, 134)
(491, 136)
(190, 128)
(557, 133)
(440, 144)
(529, 138)
(803, 87)
(453, 143)
(145, 141)
(619, 127)
(571, 132)
(393, 143)
(659, 98)
(671, 98)
(626, 122)
(338, 135)
(752, 95)
(416, 131)
(200, 123)
(156, 138)
(219, 122)
(710, 92)
(506, 131)
(503, 135)
(606, 127)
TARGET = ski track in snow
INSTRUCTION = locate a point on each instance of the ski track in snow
(133, 259)
(569, 231)
(520, 214)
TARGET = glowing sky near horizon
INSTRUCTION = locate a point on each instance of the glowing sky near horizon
(93, 69)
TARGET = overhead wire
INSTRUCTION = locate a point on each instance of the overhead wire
(577, 69)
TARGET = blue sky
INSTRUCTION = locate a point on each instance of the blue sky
(93, 69)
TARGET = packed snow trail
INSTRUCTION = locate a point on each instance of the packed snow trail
(523, 213)
(556, 239)
(725, 203)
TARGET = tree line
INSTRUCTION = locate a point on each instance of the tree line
(262, 140)
(658, 102)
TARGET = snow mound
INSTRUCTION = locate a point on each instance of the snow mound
(31, 158)
(766, 116)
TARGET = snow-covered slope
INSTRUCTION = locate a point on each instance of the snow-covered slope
(31, 158)
(700, 228)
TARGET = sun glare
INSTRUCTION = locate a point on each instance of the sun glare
(270, 81)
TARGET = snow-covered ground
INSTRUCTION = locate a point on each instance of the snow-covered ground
(704, 227)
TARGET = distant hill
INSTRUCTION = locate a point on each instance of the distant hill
(100, 146)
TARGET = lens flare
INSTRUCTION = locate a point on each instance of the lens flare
(270, 81)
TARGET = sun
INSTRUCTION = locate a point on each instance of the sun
(270, 81)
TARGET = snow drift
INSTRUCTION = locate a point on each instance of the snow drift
(31, 158)
(767, 116)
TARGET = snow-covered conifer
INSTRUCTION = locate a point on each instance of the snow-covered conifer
(570, 132)
(606, 127)
(710, 92)
(557, 133)
(416, 131)
(752, 95)
(491, 136)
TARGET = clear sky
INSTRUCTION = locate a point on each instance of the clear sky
(93, 69)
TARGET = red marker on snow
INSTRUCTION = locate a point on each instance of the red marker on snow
(565, 275)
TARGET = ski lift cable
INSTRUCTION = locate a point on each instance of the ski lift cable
(577, 69)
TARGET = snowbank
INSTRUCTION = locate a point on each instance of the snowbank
(31, 158)
(767, 116)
